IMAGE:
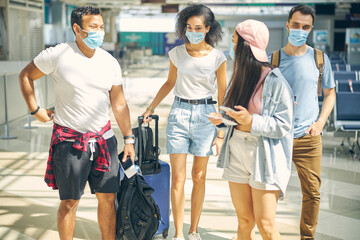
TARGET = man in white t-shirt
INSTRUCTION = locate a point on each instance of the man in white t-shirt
(83, 147)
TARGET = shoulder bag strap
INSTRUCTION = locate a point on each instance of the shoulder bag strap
(319, 60)
(275, 59)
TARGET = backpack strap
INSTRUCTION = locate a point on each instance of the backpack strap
(319, 60)
(124, 228)
(275, 59)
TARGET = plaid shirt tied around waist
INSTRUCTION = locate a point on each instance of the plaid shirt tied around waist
(61, 134)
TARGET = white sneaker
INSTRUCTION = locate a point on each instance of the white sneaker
(177, 238)
(194, 236)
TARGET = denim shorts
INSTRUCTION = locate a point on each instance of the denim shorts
(189, 129)
(73, 168)
(241, 167)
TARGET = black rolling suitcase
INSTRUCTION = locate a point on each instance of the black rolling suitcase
(155, 171)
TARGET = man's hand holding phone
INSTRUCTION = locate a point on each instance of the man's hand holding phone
(128, 167)
(128, 151)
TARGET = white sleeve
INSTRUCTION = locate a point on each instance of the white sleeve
(45, 61)
(172, 56)
(220, 59)
(118, 75)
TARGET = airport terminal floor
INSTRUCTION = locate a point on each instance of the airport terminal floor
(28, 207)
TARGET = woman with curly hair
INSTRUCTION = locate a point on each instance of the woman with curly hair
(196, 71)
(256, 153)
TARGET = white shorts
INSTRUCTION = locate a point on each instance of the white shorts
(242, 161)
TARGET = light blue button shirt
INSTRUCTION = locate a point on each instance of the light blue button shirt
(274, 127)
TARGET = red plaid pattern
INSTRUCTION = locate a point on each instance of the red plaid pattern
(61, 134)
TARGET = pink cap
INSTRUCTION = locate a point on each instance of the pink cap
(257, 35)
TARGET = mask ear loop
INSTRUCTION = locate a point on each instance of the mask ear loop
(79, 27)
(81, 30)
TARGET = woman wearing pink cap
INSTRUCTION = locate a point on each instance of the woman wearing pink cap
(256, 153)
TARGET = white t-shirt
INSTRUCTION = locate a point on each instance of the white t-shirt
(196, 77)
(82, 85)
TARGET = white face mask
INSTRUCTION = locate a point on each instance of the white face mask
(297, 37)
(195, 37)
(232, 51)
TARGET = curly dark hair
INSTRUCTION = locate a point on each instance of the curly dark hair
(215, 32)
(78, 13)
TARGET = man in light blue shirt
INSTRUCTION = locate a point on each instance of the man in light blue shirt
(297, 64)
(302, 74)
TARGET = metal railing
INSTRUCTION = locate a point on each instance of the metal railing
(7, 134)
(14, 106)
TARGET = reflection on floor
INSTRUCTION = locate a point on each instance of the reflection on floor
(28, 207)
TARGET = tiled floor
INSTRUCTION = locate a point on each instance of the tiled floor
(28, 207)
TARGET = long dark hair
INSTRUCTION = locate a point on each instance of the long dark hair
(246, 75)
(215, 32)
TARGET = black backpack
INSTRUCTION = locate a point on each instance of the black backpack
(146, 152)
(138, 215)
(148, 149)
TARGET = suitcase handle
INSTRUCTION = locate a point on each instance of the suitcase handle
(154, 116)
(140, 122)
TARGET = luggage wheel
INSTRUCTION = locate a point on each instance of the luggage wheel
(165, 233)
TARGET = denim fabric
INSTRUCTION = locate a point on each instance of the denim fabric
(275, 129)
(189, 129)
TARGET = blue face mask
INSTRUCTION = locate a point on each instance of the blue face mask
(94, 39)
(297, 37)
(232, 51)
(195, 37)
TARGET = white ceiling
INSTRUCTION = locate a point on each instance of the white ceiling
(219, 7)
(120, 3)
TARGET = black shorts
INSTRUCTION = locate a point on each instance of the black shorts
(73, 168)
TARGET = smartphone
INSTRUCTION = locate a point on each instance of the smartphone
(226, 109)
(224, 120)
(128, 167)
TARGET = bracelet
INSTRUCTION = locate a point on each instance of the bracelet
(220, 137)
(130, 141)
(151, 109)
(129, 136)
(34, 112)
